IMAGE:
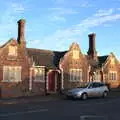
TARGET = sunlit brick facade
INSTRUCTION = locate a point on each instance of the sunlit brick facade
(28, 71)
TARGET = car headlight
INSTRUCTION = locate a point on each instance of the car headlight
(77, 94)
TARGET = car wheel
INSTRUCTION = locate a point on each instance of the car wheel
(105, 94)
(84, 96)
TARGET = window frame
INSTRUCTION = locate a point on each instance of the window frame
(76, 73)
(42, 75)
(16, 68)
(112, 75)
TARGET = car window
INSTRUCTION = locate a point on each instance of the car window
(90, 85)
(102, 84)
(95, 85)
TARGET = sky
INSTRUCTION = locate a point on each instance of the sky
(56, 24)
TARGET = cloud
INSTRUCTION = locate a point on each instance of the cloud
(74, 3)
(101, 13)
(17, 7)
(96, 21)
(118, 8)
(75, 32)
(8, 23)
(63, 11)
(85, 4)
(59, 1)
(59, 14)
(59, 39)
(57, 18)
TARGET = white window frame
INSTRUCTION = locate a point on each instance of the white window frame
(9, 68)
(78, 73)
(112, 75)
(42, 75)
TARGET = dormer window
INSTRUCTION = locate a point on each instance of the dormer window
(75, 54)
(12, 51)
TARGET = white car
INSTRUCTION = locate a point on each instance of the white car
(92, 89)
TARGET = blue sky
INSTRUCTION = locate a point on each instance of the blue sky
(55, 24)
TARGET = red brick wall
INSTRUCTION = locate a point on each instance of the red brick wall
(14, 89)
(68, 62)
(112, 67)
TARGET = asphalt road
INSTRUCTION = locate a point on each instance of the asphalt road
(92, 109)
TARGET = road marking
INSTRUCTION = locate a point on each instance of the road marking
(26, 112)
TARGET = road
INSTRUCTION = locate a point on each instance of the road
(92, 109)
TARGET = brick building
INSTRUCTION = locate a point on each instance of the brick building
(28, 71)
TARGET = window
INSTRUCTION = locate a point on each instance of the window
(75, 54)
(11, 74)
(112, 75)
(12, 51)
(75, 75)
(39, 74)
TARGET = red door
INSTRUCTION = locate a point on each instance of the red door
(51, 81)
(58, 81)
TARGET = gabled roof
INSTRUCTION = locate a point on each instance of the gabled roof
(46, 58)
(7, 42)
(51, 59)
(57, 57)
(102, 60)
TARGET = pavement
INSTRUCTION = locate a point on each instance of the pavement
(29, 99)
(114, 93)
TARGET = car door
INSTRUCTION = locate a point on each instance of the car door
(101, 89)
(92, 90)
(98, 89)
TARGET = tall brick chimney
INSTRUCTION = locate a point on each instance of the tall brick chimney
(92, 50)
(21, 32)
